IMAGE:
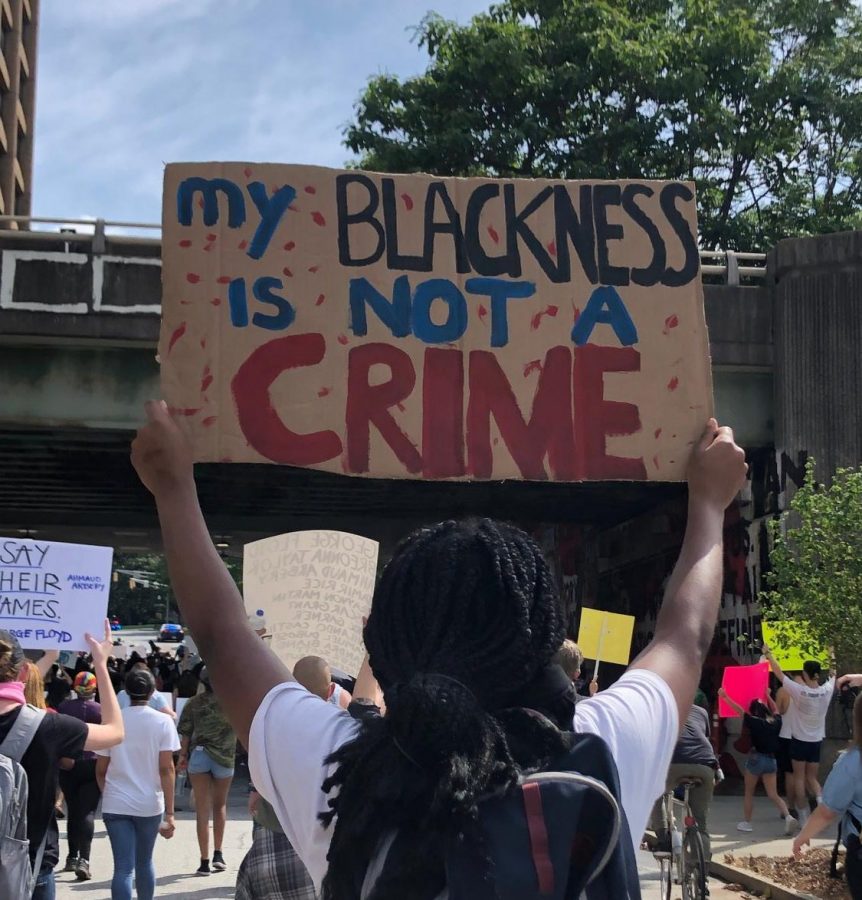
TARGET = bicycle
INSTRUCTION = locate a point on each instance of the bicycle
(685, 864)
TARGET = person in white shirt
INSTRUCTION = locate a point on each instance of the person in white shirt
(810, 704)
(137, 782)
(464, 622)
(156, 702)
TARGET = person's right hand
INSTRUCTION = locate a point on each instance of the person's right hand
(253, 801)
(849, 681)
(717, 469)
(799, 845)
(161, 453)
(182, 762)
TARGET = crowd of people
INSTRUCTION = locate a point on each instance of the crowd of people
(469, 688)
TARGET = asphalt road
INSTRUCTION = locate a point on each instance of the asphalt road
(133, 636)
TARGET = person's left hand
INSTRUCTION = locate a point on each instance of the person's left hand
(101, 650)
(594, 688)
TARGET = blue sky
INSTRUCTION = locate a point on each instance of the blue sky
(125, 86)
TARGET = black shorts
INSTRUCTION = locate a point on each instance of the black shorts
(785, 761)
(805, 751)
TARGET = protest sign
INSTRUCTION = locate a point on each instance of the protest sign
(51, 594)
(605, 637)
(311, 589)
(743, 684)
(792, 645)
(421, 327)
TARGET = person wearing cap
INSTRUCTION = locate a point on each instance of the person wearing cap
(137, 782)
(78, 779)
(54, 737)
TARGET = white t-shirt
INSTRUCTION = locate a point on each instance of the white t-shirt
(157, 701)
(810, 706)
(294, 732)
(133, 786)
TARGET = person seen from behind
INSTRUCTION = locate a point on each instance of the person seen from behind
(570, 659)
(51, 738)
(464, 625)
(842, 800)
(157, 701)
(78, 780)
(763, 722)
(208, 751)
(137, 783)
(314, 674)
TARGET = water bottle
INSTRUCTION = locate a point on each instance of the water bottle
(676, 842)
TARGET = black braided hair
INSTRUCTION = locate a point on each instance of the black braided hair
(464, 617)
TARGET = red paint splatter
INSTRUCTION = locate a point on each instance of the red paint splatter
(208, 247)
(482, 313)
(287, 272)
(178, 333)
(670, 322)
(290, 245)
(180, 411)
(408, 201)
(200, 202)
(534, 366)
(216, 301)
(309, 189)
(324, 392)
(657, 433)
(552, 248)
(247, 172)
(320, 299)
(223, 279)
(208, 421)
(243, 245)
(318, 219)
(207, 381)
(203, 343)
(185, 243)
(576, 314)
(192, 277)
(313, 269)
(211, 237)
(655, 461)
(494, 236)
(342, 339)
(401, 407)
(185, 302)
(673, 384)
(537, 318)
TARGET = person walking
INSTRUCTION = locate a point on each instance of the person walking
(208, 752)
(78, 780)
(137, 782)
(763, 722)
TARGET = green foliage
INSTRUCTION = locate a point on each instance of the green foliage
(758, 101)
(816, 561)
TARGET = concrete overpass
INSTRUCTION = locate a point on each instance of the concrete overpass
(79, 318)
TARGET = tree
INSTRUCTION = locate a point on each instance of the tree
(816, 560)
(758, 101)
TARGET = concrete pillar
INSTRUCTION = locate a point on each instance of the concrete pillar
(817, 285)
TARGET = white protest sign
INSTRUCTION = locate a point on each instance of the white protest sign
(51, 594)
(312, 588)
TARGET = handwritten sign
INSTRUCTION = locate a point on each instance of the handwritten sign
(421, 327)
(606, 636)
(792, 645)
(312, 589)
(51, 594)
(743, 684)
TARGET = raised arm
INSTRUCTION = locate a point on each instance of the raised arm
(777, 671)
(110, 732)
(686, 621)
(242, 668)
(730, 702)
(49, 657)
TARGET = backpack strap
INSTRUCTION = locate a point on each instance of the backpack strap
(22, 732)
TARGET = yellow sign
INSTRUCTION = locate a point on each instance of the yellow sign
(606, 636)
(791, 644)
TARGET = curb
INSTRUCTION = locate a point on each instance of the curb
(753, 882)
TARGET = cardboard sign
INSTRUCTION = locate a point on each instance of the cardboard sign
(420, 327)
(312, 589)
(743, 684)
(51, 594)
(606, 636)
(792, 645)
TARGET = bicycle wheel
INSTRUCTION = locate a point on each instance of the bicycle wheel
(694, 873)
(665, 876)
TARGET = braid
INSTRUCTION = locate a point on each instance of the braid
(465, 615)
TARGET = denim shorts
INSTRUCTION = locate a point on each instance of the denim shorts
(201, 763)
(760, 764)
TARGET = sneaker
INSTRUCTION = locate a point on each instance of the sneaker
(204, 868)
(82, 870)
(744, 826)
(790, 825)
(218, 861)
(71, 863)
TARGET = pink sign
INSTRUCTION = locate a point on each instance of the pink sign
(743, 684)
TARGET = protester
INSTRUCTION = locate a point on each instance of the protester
(157, 701)
(842, 798)
(78, 780)
(137, 782)
(57, 689)
(465, 621)
(34, 687)
(785, 739)
(314, 674)
(810, 701)
(208, 751)
(570, 659)
(53, 737)
(693, 759)
(763, 722)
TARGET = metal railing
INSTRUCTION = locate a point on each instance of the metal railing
(727, 266)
